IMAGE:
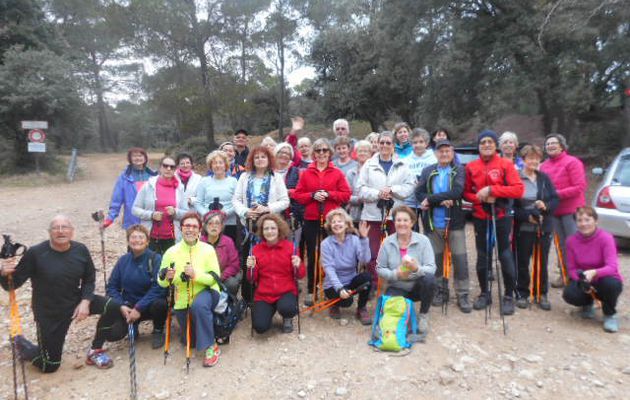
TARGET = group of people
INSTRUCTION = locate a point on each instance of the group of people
(382, 215)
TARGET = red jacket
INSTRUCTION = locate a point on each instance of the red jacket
(498, 173)
(274, 273)
(331, 180)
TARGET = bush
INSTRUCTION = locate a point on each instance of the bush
(196, 146)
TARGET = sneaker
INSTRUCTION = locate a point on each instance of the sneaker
(334, 312)
(212, 356)
(287, 325)
(522, 302)
(464, 304)
(308, 301)
(423, 323)
(99, 358)
(507, 305)
(157, 339)
(558, 282)
(544, 303)
(588, 312)
(364, 316)
(438, 298)
(482, 302)
(27, 351)
(222, 341)
(611, 323)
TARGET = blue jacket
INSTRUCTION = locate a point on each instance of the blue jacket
(124, 194)
(133, 281)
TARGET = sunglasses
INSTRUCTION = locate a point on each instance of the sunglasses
(169, 166)
(321, 150)
(385, 142)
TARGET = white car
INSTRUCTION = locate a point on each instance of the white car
(612, 199)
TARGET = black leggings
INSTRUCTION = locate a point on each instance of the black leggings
(262, 313)
(310, 232)
(422, 291)
(161, 245)
(608, 291)
(504, 229)
(526, 241)
(357, 281)
(112, 326)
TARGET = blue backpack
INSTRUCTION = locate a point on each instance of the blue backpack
(394, 322)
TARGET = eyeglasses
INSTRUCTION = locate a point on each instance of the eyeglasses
(385, 142)
(548, 144)
(169, 166)
(190, 226)
(321, 150)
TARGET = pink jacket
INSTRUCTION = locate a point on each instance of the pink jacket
(597, 251)
(567, 175)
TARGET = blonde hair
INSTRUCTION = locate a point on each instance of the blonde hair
(217, 154)
(340, 212)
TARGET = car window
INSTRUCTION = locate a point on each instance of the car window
(466, 158)
(622, 173)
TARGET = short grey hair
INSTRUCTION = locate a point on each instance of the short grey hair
(421, 132)
(281, 146)
(507, 135)
(561, 139)
(388, 134)
(61, 217)
(304, 140)
(341, 121)
(373, 135)
(267, 140)
(322, 141)
(363, 143)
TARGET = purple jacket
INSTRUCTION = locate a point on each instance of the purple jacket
(227, 255)
(124, 194)
(341, 260)
(597, 251)
(567, 175)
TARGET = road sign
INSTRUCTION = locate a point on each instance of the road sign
(36, 147)
(36, 136)
(34, 124)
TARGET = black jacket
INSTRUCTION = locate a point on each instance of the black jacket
(424, 189)
(547, 193)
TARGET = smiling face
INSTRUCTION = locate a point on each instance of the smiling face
(270, 231)
(240, 140)
(218, 167)
(322, 154)
(487, 148)
(185, 164)
(338, 225)
(403, 223)
(138, 242)
(445, 154)
(342, 130)
(229, 150)
(167, 168)
(508, 147)
(440, 135)
(138, 160)
(261, 161)
(386, 146)
(214, 226)
(402, 135)
(283, 159)
(61, 232)
(532, 162)
(305, 148)
(553, 147)
(343, 151)
(190, 230)
(363, 153)
(419, 145)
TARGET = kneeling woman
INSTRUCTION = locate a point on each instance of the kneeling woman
(227, 254)
(188, 265)
(340, 254)
(274, 268)
(593, 267)
(407, 262)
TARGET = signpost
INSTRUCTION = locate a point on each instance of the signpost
(36, 137)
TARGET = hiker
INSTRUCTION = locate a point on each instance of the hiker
(305, 147)
(62, 277)
(407, 263)
(569, 178)
(342, 251)
(294, 214)
(418, 160)
(159, 204)
(127, 186)
(241, 151)
(372, 137)
(274, 269)
(322, 187)
(508, 145)
(593, 266)
(218, 188)
(403, 147)
(229, 263)
(355, 205)
(196, 291)
(341, 128)
(269, 143)
(439, 193)
(133, 295)
(533, 212)
(490, 182)
(342, 158)
(233, 168)
(188, 177)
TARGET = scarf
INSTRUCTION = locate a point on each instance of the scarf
(184, 176)
(263, 197)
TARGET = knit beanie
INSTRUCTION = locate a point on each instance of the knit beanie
(488, 133)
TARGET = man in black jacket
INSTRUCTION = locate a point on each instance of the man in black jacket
(439, 192)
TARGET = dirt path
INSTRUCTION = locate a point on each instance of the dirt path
(545, 354)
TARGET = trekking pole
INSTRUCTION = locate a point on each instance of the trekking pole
(446, 266)
(99, 216)
(327, 304)
(559, 255)
(187, 279)
(252, 283)
(489, 252)
(496, 264)
(169, 307)
(385, 210)
(15, 330)
(535, 288)
(133, 394)
(317, 272)
(295, 273)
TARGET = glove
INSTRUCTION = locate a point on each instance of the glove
(107, 222)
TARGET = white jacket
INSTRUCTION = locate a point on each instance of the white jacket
(278, 195)
(191, 188)
(372, 180)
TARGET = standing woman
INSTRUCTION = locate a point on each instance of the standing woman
(234, 169)
(533, 212)
(508, 144)
(274, 269)
(568, 176)
(188, 177)
(229, 263)
(218, 187)
(355, 206)
(196, 290)
(321, 188)
(160, 202)
(291, 175)
(127, 187)
(341, 254)
(402, 131)
(384, 183)
(373, 139)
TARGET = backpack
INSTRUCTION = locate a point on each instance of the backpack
(394, 324)
(232, 312)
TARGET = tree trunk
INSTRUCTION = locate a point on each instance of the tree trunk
(282, 92)
(625, 104)
(105, 139)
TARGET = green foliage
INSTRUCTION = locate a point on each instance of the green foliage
(196, 146)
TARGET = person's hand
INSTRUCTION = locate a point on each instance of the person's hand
(385, 193)
(251, 262)
(133, 316)
(157, 215)
(539, 204)
(107, 222)
(364, 229)
(491, 199)
(7, 268)
(125, 310)
(295, 261)
(170, 210)
(532, 220)
(320, 196)
(191, 201)
(424, 206)
(260, 210)
(82, 311)
(447, 203)
(344, 294)
(410, 264)
(190, 271)
(483, 194)
(297, 123)
(403, 273)
(589, 274)
(170, 274)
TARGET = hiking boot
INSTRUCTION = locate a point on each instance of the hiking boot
(287, 325)
(464, 304)
(99, 358)
(157, 339)
(308, 301)
(507, 305)
(27, 351)
(544, 303)
(222, 341)
(211, 358)
(423, 323)
(438, 298)
(588, 312)
(334, 312)
(558, 282)
(363, 316)
(611, 323)
(522, 302)
(482, 301)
